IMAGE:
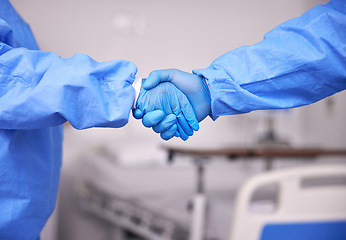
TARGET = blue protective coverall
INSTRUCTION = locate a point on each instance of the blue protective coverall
(39, 91)
(299, 62)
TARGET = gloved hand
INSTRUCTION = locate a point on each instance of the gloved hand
(167, 123)
(193, 86)
(176, 111)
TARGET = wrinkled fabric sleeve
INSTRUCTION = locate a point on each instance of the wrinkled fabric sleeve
(299, 62)
(40, 89)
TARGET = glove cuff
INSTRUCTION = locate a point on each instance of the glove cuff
(137, 84)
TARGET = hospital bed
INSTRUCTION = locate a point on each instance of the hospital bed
(310, 204)
(155, 202)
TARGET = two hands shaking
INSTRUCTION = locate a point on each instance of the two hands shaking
(173, 102)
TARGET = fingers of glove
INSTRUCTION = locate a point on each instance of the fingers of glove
(169, 133)
(183, 135)
(184, 124)
(189, 113)
(137, 113)
(165, 124)
(155, 77)
(177, 134)
(152, 118)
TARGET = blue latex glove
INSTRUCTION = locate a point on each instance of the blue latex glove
(167, 98)
(161, 123)
(193, 86)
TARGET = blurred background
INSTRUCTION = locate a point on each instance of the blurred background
(130, 164)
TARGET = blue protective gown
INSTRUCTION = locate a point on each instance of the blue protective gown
(299, 62)
(39, 91)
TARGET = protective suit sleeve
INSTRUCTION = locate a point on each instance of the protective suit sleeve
(299, 62)
(40, 89)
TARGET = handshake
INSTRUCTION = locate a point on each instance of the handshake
(173, 102)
